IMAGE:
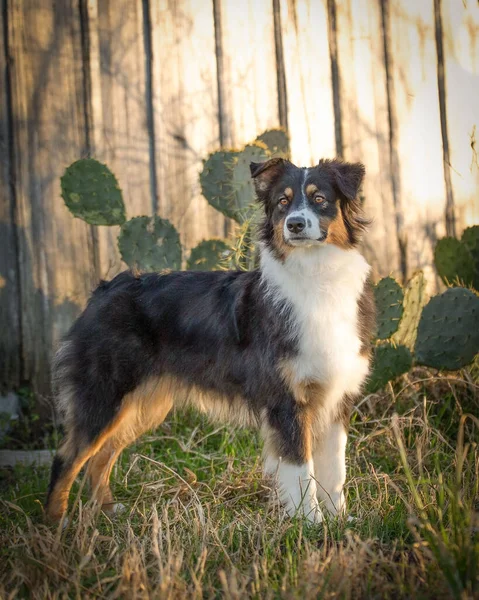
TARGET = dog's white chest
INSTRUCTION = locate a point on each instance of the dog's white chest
(328, 336)
(323, 287)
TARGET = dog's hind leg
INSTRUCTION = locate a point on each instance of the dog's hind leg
(99, 470)
(73, 453)
(66, 466)
(145, 408)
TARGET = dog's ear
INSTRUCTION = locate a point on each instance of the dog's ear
(265, 174)
(348, 177)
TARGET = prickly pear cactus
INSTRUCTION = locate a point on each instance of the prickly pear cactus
(415, 298)
(216, 181)
(454, 261)
(389, 362)
(242, 183)
(470, 239)
(277, 142)
(448, 332)
(388, 296)
(91, 192)
(226, 180)
(207, 256)
(150, 244)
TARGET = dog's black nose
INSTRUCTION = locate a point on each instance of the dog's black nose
(296, 224)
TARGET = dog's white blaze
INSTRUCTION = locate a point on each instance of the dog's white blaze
(303, 187)
(296, 487)
(312, 229)
(323, 285)
(330, 467)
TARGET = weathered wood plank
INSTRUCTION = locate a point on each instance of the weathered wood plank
(308, 80)
(185, 105)
(365, 124)
(250, 76)
(118, 117)
(10, 338)
(460, 25)
(417, 137)
(49, 133)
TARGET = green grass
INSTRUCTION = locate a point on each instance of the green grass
(201, 522)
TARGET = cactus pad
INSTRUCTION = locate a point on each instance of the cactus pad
(91, 192)
(216, 181)
(388, 296)
(226, 180)
(389, 362)
(470, 239)
(150, 244)
(276, 141)
(207, 255)
(454, 261)
(242, 183)
(448, 332)
(415, 298)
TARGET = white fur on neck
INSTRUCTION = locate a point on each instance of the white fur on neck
(323, 285)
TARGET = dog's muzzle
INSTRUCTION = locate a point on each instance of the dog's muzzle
(302, 229)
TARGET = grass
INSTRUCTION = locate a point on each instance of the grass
(201, 522)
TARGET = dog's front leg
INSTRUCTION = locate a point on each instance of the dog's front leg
(330, 468)
(288, 458)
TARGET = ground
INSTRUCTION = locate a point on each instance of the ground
(200, 522)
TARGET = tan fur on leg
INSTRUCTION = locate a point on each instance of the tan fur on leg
(99, 470)
(143, 409)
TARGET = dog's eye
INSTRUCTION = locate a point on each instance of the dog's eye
(284, 201)
(319, 198)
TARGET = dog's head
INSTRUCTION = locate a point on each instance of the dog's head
(309, 207)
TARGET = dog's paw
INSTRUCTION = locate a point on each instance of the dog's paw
(114, 508)
(315, 515)
(118, 508)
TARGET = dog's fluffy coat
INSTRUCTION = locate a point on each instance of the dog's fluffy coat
(284, 347)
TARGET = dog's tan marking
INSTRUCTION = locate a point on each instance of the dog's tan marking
(273, 441)
(337, 232)
(283, 249)
(144, 408)
(311, 189)
(99, 470)
(58, 501)
(288, 192)
(309, 395)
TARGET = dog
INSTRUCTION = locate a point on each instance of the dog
(285, 347)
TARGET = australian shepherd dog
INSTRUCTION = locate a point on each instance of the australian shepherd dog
(284, 347)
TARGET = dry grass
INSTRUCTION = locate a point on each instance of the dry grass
(200, 522)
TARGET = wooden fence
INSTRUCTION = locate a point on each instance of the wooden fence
(151, 86)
